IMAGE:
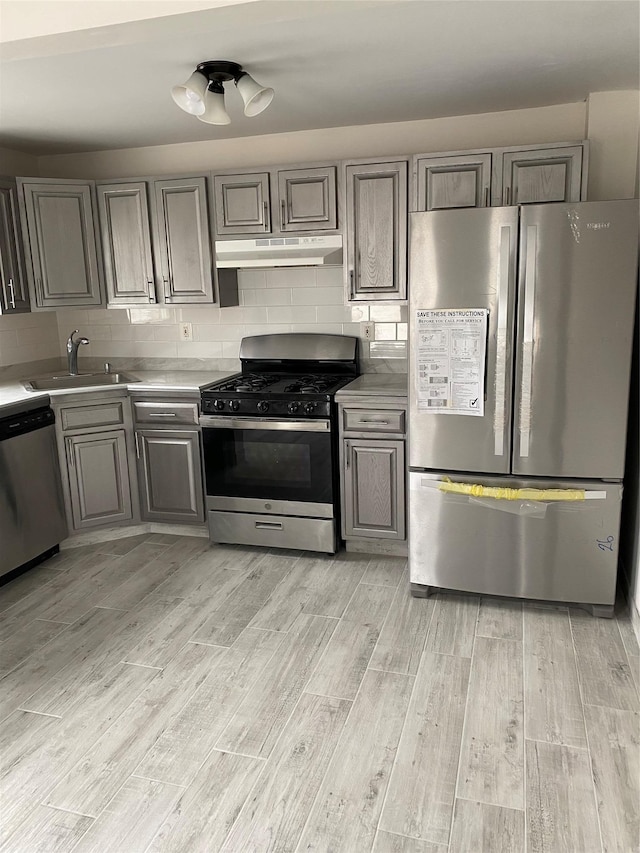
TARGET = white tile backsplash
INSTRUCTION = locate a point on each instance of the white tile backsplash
(272, 301)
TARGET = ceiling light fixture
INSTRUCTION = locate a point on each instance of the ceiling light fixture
(203, 93)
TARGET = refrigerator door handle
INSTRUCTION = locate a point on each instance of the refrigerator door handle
(499, 413)
(530, 248)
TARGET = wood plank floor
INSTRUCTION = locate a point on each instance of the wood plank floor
(158, 694)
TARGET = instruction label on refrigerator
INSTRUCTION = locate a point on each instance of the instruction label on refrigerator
(451, 349)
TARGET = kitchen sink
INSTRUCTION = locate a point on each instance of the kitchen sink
(82, 380)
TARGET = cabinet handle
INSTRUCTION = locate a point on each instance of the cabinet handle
(486, 196)
(507, 195)
(348, 454)
(163, 415)
(282, 214)
(152, 296)
(381, 423)
(267, 225)
(167, 288)
(351, 285)
(13, 295)
(135, 436)
(72, 461)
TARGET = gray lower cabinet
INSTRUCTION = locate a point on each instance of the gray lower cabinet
(169, 458)
(99, 485)
(93, 432)
(376, 231)
(374, 488)
(61, 243)
(170, 475)
(14, 294)
(372, 455)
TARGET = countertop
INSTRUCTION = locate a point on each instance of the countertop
(13, 392)
(376, 385)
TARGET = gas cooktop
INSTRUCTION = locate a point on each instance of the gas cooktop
(277, 383)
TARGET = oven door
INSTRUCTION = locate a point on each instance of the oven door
(266, 465)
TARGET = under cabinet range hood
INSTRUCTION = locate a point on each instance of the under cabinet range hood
(279, 252)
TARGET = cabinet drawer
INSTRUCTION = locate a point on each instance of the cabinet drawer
(96, 415)
(374, 420)
(165, 413)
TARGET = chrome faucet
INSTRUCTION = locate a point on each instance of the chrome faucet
(72, 351)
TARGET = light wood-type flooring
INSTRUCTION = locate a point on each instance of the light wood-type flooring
(159, 694)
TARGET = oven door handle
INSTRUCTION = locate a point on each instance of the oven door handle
(221, 422)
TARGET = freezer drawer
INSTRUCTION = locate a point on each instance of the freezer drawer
(477, 545)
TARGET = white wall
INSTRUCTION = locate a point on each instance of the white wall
(613, 120)
(17, 163)
(560, 123)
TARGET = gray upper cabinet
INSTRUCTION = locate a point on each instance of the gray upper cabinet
(242, 203)
(126, 242)
(527, 174)
(459, 181)
(182, 242)
(276, 201)
(61, 242)
(542, 174)
(14, 294)
(308, 199)
(376, 231)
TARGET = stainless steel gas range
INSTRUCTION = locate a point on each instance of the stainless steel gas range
(270, 442)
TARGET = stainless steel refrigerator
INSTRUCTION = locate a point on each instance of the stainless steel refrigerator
(554, 288)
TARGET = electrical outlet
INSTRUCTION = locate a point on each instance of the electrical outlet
(186, 332)
(367, 331)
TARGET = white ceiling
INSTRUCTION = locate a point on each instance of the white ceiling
(331, 62)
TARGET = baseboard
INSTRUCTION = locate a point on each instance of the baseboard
(377, 546)
(93, 537)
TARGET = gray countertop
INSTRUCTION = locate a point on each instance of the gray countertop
(376, 385)
(13, 392)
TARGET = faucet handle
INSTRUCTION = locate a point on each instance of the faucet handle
(70, 340)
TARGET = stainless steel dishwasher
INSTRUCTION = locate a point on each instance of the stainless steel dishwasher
(32, 518)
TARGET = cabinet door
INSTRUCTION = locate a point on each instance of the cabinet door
(14, 296)
(377, 231)
(183, 246)
(308, 199)
(61, 241)
(549, 174)
(98, 478)
(170, 475)
(126, 243)
(374, 488)
(243, 204)
(445, 182)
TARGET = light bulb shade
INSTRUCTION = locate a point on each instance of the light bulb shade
(190, 96)
(256, 97)
(214, 111)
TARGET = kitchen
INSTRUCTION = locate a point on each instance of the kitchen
(243, 586)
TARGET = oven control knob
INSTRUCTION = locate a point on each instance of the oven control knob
(293, 408)
(218, 404)
(263, 406)
(309, 408)
(234, 405)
